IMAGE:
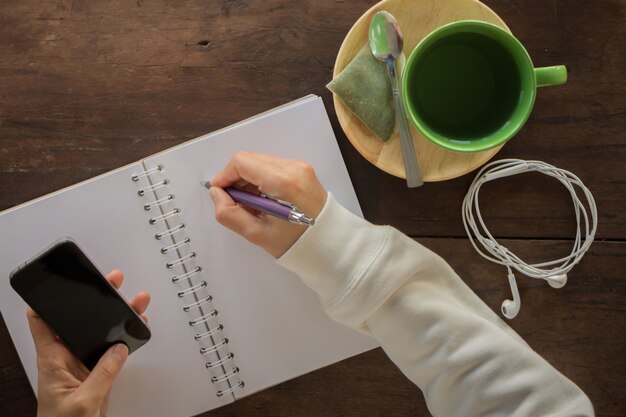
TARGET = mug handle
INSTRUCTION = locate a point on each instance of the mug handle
(555, 75)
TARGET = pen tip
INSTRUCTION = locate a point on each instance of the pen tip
(206, 184)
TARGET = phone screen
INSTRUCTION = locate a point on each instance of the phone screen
(76, 301)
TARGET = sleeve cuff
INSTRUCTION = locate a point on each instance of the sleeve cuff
(333, 255)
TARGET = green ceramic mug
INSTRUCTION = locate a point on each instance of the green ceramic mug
(469, 85)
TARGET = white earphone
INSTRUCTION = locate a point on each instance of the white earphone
(556, 276)
(510, 308)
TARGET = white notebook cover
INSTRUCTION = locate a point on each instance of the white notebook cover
(274, 324)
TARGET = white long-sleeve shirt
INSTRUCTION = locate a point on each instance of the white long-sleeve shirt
(463, 357)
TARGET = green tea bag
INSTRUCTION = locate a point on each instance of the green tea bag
(364, 87)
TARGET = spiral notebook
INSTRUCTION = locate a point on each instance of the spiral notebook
(226, 320)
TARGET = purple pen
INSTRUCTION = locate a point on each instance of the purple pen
(267, 204)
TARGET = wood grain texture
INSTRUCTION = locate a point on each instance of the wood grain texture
(417, 18)
(86, 87)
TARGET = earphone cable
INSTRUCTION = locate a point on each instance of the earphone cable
(554, 271)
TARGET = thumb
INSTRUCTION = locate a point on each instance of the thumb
(232, 215)
(99, 381)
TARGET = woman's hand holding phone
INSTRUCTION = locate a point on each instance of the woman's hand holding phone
(65, 386)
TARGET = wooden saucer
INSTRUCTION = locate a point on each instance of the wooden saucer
(417, 18)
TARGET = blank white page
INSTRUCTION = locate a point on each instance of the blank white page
(275, 324)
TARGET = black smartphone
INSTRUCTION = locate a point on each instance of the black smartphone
(85, 311)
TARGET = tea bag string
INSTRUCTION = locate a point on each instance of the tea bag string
(555, 271)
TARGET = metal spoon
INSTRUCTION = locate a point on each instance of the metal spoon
(385, 41)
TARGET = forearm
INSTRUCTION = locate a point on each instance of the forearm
(465, 359)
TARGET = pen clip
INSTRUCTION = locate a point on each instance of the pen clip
(295, 216)
(279, 201)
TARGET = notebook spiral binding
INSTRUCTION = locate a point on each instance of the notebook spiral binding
(187, 277)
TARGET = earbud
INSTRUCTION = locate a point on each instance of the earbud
(510, 308)
(557, 281)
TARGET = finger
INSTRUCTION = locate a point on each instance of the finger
(105, 404)
(42, 335)
(246, 186)
(145, 318)
(140, 302)
(251, 188)
(241, 184)
(116, 277)
(277, 161)
(233, 216)
(100, 380)
(244, 166)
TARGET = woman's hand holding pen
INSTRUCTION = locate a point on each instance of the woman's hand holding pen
(289, 180)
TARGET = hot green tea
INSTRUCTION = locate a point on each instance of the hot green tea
(469, 86)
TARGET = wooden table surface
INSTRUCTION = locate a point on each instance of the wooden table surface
(88, 86)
